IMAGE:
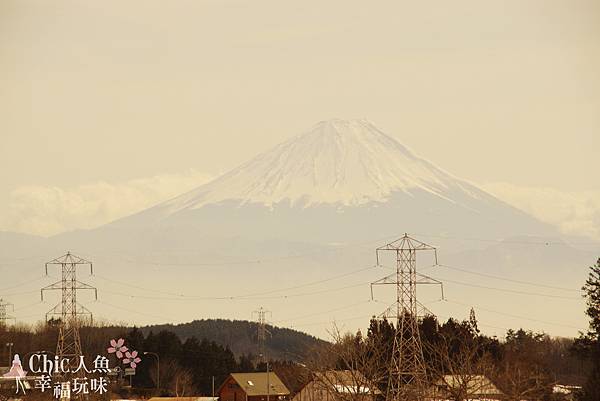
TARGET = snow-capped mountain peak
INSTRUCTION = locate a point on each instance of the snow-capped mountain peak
(346, 162)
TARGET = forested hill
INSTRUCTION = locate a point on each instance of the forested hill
(241, 337)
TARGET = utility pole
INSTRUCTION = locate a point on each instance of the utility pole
(4, 316)
(10, 356)
(261, 320)
(154, 354)
(268, 382)
(69, 310)
(407, 373)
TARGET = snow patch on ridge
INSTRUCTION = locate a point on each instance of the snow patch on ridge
(346, 162)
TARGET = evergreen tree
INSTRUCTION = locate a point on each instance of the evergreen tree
(246, 364)
(592, 294)
(591, 390)
(473, 322)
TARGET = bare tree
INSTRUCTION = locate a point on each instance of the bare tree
(183, 382)
(459, 370)
(351, 368)
(172, 376)
(522, 380)
(522, 371)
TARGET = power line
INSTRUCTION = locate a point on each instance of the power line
(23, 293)
(20, 317)
(372, 315)
(293, 319)
(479, 323)
(511, 291)
(516, 316)
(508, 241)
(508, 279)
(255, 295)
(19, 259)
(316, 282)
(134, 311)
(332, 321)
(502, 313)
(29, 306)
(21, 284)
(235, 297)
(175, 296)
(128, 285)
(257, 260)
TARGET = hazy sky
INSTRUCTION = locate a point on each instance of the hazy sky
(109, 106)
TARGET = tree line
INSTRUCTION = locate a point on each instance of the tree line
(525, 365)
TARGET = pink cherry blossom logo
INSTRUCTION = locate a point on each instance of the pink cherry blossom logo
(117, 347)
(123, 353)
(132, 359)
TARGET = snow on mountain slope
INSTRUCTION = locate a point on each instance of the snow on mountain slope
(346, 162)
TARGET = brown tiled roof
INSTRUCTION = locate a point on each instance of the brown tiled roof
(256, 383)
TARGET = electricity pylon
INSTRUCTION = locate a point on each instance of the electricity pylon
(4, 316)
(407, 374)
(261, 335)
(69, 310)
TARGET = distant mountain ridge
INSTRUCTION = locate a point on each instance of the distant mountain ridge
(241, 337)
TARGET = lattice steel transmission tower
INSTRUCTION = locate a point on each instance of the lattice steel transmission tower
(69, 311)
(262, 332)
(407, 373)
(4, 316)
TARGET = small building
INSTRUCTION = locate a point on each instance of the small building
(565, 391)
(252, 387)
(475, 387)
(337, 385)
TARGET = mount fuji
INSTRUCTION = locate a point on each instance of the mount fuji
(348, 163)
(341, 180)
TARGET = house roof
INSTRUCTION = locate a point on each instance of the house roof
(345, 381)
(475, 384)
(340, 376)
(256, 383)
